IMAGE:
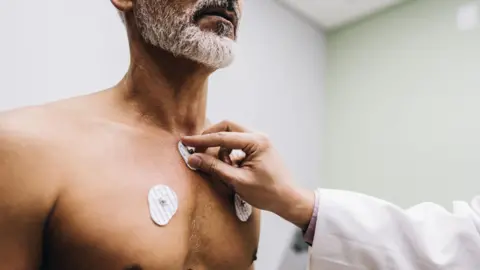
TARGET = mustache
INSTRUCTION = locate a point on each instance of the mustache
(229, 5)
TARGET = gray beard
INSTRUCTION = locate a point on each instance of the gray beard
(161, 26)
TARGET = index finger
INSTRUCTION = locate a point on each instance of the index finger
(226, 126)
(229, 140)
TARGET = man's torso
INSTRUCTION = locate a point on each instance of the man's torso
(101, 217)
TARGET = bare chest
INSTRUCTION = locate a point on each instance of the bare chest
(102, 219)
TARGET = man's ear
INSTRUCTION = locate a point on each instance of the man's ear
(123, 5)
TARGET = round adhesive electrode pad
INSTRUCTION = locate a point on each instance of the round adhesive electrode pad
(163, 204)
(242, 209)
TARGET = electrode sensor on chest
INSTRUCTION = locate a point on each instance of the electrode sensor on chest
(163, 204)
(186, 152)
(243, 210)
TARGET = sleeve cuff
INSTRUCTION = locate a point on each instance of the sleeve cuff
(309, 234)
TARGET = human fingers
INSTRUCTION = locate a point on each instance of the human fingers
(216, 168)
(230, 140)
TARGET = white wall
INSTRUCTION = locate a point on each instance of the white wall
(403, 96)
(55, 49)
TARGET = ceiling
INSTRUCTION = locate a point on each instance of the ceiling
(331, 14)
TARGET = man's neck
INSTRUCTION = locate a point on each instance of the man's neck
(170, 92)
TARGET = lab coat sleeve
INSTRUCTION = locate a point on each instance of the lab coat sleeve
(355, 231)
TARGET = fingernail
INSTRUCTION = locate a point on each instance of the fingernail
(195, 161)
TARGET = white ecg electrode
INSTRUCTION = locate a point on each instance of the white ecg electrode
(163, 204)
(185, 153)
(242, 209)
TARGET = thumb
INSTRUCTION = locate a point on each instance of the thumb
(215, 167)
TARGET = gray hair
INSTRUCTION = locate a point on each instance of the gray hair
(173, 31)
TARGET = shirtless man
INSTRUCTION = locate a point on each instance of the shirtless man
(75, 174)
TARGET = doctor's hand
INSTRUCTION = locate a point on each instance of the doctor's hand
(261, 178)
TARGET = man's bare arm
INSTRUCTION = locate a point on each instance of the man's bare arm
(25, 199)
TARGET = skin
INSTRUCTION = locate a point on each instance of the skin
(261, 178)
(75, 174)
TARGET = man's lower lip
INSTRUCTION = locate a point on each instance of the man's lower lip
(216, 17)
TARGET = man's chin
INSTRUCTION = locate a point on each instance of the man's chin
(204, 47)
(226, 63)
(230, 59)
(216, 55)
(216, 63)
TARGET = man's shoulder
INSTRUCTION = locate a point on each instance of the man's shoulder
(24, 141)
(26, 124)
(31, 142)
(36, 130)
(41, 123)
(26, 175)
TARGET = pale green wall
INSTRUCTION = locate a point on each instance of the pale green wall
(403, 105)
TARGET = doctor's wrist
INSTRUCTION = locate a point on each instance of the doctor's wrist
(297, 207)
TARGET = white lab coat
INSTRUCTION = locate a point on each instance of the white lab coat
(359, 232)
